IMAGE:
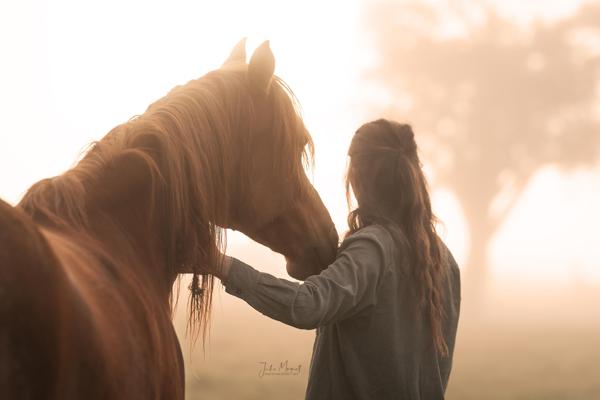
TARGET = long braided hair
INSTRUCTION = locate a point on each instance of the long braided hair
(387, 180)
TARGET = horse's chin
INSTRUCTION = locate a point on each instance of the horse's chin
(313, 259)
(302, 268)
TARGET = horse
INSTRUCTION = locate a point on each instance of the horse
(89, 259)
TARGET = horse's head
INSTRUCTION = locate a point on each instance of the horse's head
(271, 198)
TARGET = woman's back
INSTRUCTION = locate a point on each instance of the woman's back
(385, 350)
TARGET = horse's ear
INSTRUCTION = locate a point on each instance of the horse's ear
(238, 54)
(261, 68)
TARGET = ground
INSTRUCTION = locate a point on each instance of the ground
(510, 345)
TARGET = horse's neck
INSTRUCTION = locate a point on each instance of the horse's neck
(115, 201)
(128, 235)
(123, 230)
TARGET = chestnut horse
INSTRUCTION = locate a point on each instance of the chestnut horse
(88, 259)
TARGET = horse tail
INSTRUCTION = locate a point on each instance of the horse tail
(33, 311)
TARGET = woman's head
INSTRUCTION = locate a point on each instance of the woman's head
(385, 174)
(387, 180)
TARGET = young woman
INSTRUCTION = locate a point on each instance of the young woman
(386, 311)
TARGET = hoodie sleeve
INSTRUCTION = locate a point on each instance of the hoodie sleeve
(343, 289)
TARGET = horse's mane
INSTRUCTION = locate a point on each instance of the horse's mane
(181, 144)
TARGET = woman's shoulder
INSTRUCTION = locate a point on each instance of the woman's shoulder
(373, 231)
(377, 235)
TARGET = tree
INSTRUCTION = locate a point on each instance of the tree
(490, 107)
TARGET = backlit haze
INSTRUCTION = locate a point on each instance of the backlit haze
(72, 70)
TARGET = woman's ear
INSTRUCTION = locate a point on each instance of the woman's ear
(261, 68)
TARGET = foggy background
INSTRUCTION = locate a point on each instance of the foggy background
(504, 98)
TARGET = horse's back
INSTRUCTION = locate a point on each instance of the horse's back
(34, 307)
(62, 339)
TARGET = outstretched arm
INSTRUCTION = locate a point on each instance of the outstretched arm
(346, 287)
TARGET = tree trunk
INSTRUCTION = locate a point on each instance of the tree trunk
(481, 230)
(476, 269)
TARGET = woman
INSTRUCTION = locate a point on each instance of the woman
(386, 311)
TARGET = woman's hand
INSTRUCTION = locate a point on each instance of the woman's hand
(223, 272)
(220, 272)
